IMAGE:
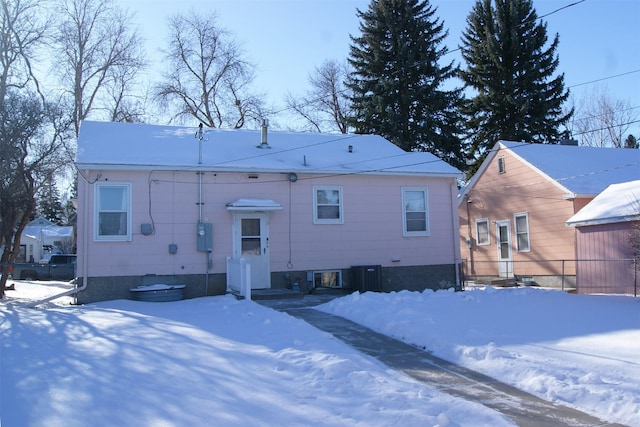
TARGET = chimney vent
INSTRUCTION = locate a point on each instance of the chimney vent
(263, 141)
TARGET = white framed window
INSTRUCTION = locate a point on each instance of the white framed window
(482, 232)
(415, 211)
(522, 232)
(112, 220)
(327, 279)
(501, 165)
(327, 205)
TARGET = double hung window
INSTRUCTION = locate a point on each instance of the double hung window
(482, 231)
(112, 211)
(415, 211)
(522, 232)
(327, 205)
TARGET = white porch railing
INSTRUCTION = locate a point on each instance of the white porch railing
(239, 277)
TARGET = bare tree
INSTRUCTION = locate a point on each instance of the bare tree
(22, 32)
(122, 103)
(99, 54)
(31, 135)
(30, 129)
(602, 121)
(207, 77)
(325, 107)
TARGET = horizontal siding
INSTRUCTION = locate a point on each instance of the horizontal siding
(498, 196)
(602, 249)
(371, 233)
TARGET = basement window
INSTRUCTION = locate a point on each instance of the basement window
(327, 279)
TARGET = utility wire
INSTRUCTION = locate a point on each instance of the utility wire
(605, 78)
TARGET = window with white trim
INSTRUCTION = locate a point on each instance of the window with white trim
(522, 232)
(482, 231)
(112, 211)
(415, 211)
(327, 205)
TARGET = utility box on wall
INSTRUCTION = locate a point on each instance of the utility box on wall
(205, 237)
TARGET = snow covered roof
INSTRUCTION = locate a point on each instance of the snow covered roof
(50, 231)
(583, 171)
(126, 146)
(617, 203)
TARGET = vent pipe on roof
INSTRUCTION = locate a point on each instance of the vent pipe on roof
(263, 141)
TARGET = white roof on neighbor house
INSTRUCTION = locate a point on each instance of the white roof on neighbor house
(580, 170)
(618, 203)
(126, 146)
(47, 232)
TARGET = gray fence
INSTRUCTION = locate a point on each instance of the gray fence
(585, 276)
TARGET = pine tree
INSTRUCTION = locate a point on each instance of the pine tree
(516, 96)
(49, 205)
(396, 82)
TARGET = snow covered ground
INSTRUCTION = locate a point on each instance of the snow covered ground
(582, 351)
(219, 361)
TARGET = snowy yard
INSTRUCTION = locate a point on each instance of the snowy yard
(219, 361)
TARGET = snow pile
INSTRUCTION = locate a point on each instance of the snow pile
(582, 351)
(206, 361)
(219, 361)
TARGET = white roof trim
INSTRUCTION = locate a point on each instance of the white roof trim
(253, 205)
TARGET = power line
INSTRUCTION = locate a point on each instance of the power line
(607, 127)
(343, 91)
(605, 78)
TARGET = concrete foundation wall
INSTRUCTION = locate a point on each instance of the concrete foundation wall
(416, 278)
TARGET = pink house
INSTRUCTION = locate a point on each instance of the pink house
(605, 229)
(162, 204)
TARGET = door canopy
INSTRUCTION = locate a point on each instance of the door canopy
(253, 205)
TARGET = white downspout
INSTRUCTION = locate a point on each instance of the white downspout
(85, 255)
(455, 228)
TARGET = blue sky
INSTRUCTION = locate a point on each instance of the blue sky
(287, 39)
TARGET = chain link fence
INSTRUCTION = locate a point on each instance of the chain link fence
(584, 276)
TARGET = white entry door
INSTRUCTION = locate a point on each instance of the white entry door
(251, 241)
(503, 237)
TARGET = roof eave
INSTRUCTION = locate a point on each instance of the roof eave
(200, 168)
(603, 221)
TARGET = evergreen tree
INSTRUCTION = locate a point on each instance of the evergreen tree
(50, 206)
(396, 82)
(516, 96)
(631, 142)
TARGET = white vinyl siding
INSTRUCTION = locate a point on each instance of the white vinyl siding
(415, 211)
(112, 212)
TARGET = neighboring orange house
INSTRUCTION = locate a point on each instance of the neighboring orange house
(513, 211)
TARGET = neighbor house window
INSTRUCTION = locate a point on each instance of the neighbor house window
(415, 212)
(327, 205)
(501, 166)
(522, 232)
(482, 231)
(112, 211)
